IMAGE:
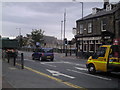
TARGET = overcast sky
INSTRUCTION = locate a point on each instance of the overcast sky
(42, 15)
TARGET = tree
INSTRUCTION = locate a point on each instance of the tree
(20, 40)
(37, 36)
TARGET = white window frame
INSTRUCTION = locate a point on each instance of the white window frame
(81, 28)
(90, 43)
(90, 27)
(102, 25)
(85, 44)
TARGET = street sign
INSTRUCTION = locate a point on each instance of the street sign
(37, 44)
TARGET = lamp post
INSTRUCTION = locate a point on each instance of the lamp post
(61, 35)
(20, 37)
(64, 29)
(82, 19)
(19, 31)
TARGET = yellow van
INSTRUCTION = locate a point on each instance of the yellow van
(106, 59)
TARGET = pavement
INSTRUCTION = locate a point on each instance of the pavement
(10, 69)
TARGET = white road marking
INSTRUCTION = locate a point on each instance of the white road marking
(90, 75)
(56, 73)
(84, 69)
(82, 65)
(48, 64)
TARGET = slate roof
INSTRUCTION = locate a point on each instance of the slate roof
(100, 13)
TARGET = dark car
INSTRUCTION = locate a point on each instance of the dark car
(43, 54)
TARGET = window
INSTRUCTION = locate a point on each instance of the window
(103, 25)
(85, 46)
(81, 29)
(91, 46)
(101, 51)
(89, 27)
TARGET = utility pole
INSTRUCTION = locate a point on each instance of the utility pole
(20, 37)
(65, 46)
(19, 31)
(64, 22)
(61, 35)
(64, 30)
(82, 31)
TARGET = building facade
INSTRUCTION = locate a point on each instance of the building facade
(99, 27)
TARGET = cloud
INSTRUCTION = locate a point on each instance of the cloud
(42, 15)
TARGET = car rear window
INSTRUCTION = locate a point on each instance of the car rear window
(47, 50)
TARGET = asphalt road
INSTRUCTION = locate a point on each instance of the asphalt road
(63, 72)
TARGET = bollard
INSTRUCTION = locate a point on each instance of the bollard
(66, 51)
(22, 61)
(8, 58)
(14, 60)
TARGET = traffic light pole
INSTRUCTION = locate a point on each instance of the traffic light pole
(66, 50)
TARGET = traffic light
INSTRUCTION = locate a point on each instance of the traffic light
(65, 41)
(69, 42)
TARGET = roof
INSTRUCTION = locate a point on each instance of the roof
(100, 13)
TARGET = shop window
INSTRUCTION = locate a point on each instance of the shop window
(91, 47)
(85, 48)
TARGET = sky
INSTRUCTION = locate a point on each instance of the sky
(25, 16)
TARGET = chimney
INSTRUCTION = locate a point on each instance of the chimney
(106, 2)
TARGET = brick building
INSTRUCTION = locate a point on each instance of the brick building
(99, 27)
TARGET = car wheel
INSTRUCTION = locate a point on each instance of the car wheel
(91, 69)
(33, 58)
(52, 59)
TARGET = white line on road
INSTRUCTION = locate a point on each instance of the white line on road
(56, 73)
(48, 64)
(90, 75)
(82, 65)
(84, 69)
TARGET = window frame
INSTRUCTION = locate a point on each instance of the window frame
(89, 27)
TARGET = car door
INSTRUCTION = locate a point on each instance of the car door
(100, 59)
(114, 58)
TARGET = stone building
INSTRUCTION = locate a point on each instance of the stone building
(99, 27)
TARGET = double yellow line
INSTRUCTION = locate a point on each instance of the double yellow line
(53, 78)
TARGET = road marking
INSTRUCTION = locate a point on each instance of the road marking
(65, 63)
(90, 75)
(12, 68)
(75, 64)
(50, 62)
(84, 69)
(56, 73)
(48, 65)
(53, 78)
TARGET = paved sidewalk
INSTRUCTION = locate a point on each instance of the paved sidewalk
(15, 77)
(6, 84)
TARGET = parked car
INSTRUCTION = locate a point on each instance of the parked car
(43, 54)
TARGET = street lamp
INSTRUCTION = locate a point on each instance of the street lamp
(20, 37)
(19, 31)
(61, 35)
(82, 19)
